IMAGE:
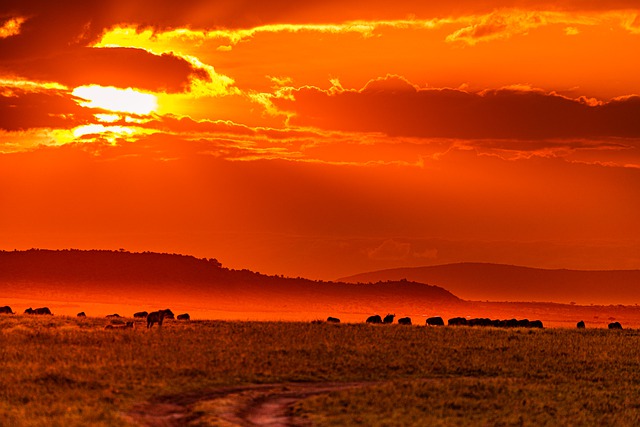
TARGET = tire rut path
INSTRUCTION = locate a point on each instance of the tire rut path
(245, 406)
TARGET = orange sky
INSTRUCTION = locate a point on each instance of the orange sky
(324, 138)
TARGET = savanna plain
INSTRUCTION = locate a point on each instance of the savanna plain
(65, 371)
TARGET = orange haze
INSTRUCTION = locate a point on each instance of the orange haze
(322, 138)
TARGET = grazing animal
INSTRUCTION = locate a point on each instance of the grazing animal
(580, 324)
(41, 310)
(333, 319)
(81, 314)
(184, 316)
(374, 319)
(457, 321)
(404, 321)
(113, 315)
(524, 323)
(6, 310)
(482, 321)
(140, 315)
(388, 318)
(615, 325)
(128, 325)
(536, 324)
(158, 317)
(435, 321)
(168, 314)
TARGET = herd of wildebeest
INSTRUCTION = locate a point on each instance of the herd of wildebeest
(463, 321)
(159, 316)
(152, 318)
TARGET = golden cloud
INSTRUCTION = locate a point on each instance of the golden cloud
(11, 27)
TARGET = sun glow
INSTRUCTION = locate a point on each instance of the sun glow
(119, 100)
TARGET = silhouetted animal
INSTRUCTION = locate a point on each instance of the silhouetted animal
(457, 321)
(158, 317)
(140, 315)
(184, 316)
(41, 310)
(536, 324)
(388, 318)
(482, 321)
(374, 319)
(168, 314)
(81, 314)
(404, 321)
(615, 325)
(6, 310)
(333, 319)
(128, 325)
(523, 323)
(580, 324)
(435, 321)
(113, 315)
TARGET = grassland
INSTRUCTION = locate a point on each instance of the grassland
(61, 371)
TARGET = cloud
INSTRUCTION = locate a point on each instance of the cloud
(394, 106)
(505, 24)
(46, 41)
(390, 250)
(571, 31)
(22, 109)
(632, 24)
(11, 27)
(120, 67)
(393, 250)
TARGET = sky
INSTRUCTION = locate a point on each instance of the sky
(323, 138)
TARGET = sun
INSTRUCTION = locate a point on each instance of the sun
(113, 99)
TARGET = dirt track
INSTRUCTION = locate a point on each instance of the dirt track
(255, 405)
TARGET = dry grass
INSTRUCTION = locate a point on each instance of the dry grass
(67, 371)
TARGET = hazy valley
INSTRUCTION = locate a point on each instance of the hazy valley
(104, 282)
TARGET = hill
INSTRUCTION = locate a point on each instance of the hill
(70, 279)
(495, 282)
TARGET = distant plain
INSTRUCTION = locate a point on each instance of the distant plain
(68, 371)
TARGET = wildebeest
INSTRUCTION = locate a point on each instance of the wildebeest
(140, 315)
(404, 321)
(333, 319)
(536, 324)
(374, 319)
(580, 324)
(615, 325)
(457, 321)
(184, 316)
(435, 321)
(6, 310)
(81, 314)
(125, 326)
(388, 318)
(482, 321)
(158, 317)
(41, 310)
(113, 315)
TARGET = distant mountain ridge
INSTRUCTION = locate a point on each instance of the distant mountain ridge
(499, 282)
(116, 276)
